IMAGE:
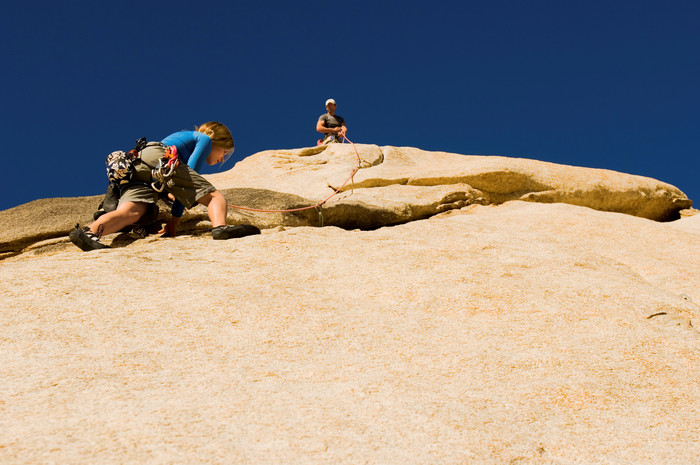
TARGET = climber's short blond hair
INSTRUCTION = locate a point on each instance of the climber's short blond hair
(220, 135)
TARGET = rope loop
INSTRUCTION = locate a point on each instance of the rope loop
(319, 205)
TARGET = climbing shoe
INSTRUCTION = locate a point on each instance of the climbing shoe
(86, 240)
(230, 232)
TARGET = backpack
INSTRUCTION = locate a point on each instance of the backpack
(120, 164)
(120, 171)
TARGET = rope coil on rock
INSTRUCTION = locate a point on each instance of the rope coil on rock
(318, 206)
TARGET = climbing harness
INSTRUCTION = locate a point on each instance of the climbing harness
(162, 174)
(330, 139)
(319, 206)
(121, 165)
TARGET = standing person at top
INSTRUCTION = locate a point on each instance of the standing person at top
(331, 125)
(211, 142)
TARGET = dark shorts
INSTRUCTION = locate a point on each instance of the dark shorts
(188, 186)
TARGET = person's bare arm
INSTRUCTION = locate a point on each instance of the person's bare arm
(320, 127)
(170, 228)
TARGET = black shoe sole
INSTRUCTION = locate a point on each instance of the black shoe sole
(232, 232)
(79, 238)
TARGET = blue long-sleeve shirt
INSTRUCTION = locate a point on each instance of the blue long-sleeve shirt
(193, 148)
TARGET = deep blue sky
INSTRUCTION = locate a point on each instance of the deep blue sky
(606, 84)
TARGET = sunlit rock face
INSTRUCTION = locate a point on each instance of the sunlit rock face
(522, 312)
(376, 187)
(399, 184)
(514, 333)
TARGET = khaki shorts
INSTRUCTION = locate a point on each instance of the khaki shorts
(188, 185)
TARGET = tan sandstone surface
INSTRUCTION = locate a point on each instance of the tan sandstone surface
(390, 185)
(523, 331)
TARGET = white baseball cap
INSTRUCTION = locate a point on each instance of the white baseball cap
(330, 100)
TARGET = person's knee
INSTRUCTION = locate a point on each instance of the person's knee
(215, 196)
(132, 211)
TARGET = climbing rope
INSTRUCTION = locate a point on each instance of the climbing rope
(318, 206)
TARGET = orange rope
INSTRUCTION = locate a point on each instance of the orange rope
(357, 168)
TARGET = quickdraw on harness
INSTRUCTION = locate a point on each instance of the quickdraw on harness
(163, 173)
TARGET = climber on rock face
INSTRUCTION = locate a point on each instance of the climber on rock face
(331, 125)
(148, 176)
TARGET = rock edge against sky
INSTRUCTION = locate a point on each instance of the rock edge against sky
(393, 185)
